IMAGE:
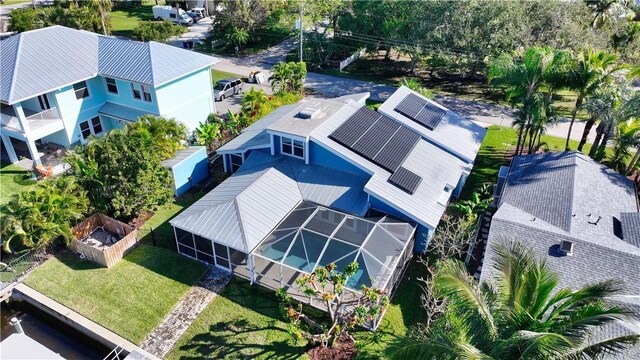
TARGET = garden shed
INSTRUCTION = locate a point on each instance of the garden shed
(188, 167)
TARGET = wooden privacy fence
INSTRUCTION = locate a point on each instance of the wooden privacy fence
(109, 254)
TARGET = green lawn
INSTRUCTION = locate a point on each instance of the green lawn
(126, 18)
(131, 299)
(13, 2)
(13, 179)
(492, 155)
(159, 222)
(244, 322)
(218, 75)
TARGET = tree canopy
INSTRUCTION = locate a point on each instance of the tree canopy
(160, 31)
(122, 174)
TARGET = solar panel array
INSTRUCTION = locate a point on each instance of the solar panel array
(376, 137)
(420, 111)
(405, 180)
(382, 141)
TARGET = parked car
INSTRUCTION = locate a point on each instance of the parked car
(227, 87)
(178, 16)
(196, 14)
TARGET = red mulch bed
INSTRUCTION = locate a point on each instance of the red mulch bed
(141, 219)
(344, 348)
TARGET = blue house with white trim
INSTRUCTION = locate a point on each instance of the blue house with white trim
(329, 180)
(59, 86)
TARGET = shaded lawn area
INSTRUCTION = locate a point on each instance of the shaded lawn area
(244, 321)
(13, 179)
(492, 155)
(131, 299)
(159, 222)
(126, 17)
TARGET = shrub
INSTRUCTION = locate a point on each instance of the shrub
(160, 31)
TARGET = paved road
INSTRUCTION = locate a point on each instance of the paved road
(331, 86)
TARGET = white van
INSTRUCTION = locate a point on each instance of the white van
(166, 12)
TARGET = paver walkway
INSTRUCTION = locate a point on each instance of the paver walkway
(162, 339)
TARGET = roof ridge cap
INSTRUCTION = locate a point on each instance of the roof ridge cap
(153, 80)
(15, 68)
(243, 232)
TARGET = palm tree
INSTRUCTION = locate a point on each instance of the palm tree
(45, 213)
(167, 135)
(239, 37)
(253, 100)
(522, 78)
(626, 135)
(590, 71)
(280, 75)
(619, 109)
(525, 317)
(103, 7)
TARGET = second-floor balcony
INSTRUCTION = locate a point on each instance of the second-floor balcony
(34, 121)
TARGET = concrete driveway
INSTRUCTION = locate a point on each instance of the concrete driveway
(233, 103)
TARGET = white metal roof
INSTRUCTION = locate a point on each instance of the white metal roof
(454, 133)
(122, 112)
(39, 61)
(182, 155)
(438, 169)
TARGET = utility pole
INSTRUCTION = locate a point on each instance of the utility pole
(301, 27)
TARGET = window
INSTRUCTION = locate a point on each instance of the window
(90, 127)
(172, 15)
(236, 162)
(146, 93)
(112, 87)
(44, 102)
(293, 147)
(136, 92)
(141, 92)
(81, 90)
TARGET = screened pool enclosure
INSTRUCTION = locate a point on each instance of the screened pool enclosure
(310, 236)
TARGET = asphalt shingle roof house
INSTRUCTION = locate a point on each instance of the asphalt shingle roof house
(555, 199)
(329, 180)
(60, 86)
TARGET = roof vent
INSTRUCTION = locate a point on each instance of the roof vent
(309, 113)
(566, 247)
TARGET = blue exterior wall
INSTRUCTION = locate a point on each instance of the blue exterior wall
(423, 238)
(188, 99)
(195, 166)
(321, 156)
(74, 110)
(461, 182)
(125, 95)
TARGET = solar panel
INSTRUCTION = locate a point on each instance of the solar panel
(351, 130)
(397, 148)
(410, 106)
(420, 111)
(374, 139)
(405, 180)
(430, 116)
(377, 138)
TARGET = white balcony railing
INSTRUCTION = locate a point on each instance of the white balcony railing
(34, 120)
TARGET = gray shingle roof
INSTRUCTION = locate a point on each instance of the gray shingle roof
(631, 228)
(572, 186)
(39, 61)
(542, 185)
(570, 191)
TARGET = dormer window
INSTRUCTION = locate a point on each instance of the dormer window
(292, 147)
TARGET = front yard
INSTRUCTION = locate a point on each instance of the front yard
(127, 17)
(131, 299)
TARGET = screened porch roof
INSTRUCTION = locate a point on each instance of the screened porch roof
(313, 235)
